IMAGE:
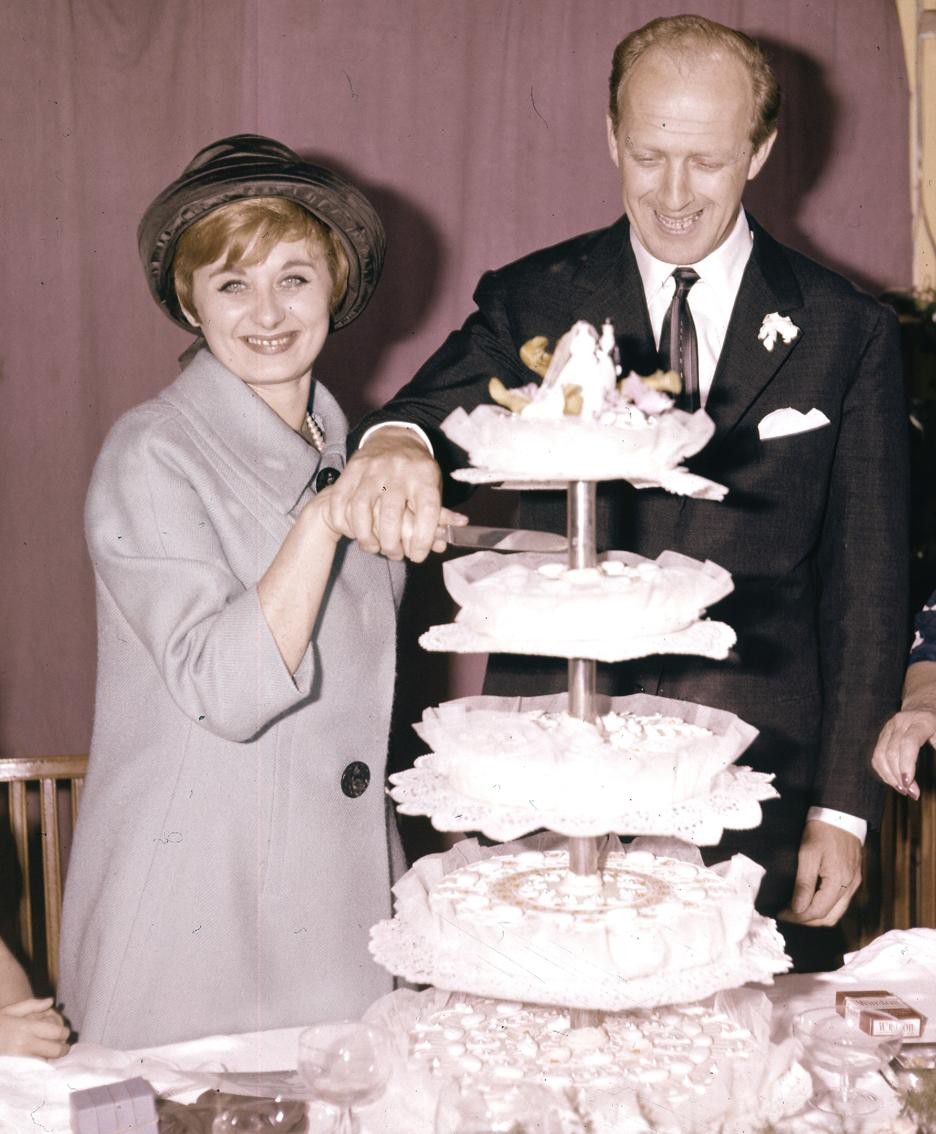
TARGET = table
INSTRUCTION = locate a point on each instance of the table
(34, 1095)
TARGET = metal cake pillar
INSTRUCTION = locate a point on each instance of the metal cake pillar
(583, 852)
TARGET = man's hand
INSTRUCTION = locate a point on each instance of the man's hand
(895, 754)
(828, 874)
(389, 497)
(32, 1027)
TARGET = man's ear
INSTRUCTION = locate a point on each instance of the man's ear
(760, 156)
(612, 141)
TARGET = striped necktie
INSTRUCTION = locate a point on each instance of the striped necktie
(678, 346)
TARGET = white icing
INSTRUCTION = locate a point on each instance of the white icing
(642, 915)
(552, 762)
(539, 599)
(628, 1060)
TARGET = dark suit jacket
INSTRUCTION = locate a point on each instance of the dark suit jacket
(813, 528)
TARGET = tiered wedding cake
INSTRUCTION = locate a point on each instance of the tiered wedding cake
(529, 935)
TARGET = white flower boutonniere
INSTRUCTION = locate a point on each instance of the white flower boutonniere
(776, 324)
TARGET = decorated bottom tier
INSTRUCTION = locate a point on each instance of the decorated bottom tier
(648, 929)
(706, 1066)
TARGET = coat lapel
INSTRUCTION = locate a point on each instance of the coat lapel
(746, 367)
(609, 288)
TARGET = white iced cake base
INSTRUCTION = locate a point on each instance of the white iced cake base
(648, 929)
(692, 1066)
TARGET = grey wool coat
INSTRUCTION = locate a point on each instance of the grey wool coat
(221, 880)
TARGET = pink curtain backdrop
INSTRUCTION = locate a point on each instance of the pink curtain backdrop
(477, 126)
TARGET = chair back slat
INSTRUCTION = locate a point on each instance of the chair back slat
(19, 824)
(45, 773)
(51, 869)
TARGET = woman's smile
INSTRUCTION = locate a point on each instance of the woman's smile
(271, 344)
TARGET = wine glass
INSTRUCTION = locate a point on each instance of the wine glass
(834, 1044)
(345, 1064)
(487, 1105)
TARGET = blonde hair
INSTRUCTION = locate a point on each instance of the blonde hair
(681, 33)
(244, 233)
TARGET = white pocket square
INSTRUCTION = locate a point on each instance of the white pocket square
(783, 422)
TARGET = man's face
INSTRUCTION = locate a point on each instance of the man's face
(684, 152)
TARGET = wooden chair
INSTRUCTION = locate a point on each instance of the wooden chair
(908, 853)
(40, 777)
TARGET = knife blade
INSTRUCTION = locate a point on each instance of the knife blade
(504, 539)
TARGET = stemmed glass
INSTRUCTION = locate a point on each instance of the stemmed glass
(345, 1064)
(834, 1044)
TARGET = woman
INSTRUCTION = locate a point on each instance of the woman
(898, 747)
(234, 845)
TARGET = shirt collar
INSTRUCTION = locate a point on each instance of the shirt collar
(722, 269)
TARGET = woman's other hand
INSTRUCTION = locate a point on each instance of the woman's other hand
(33, 1028)
(898, 747)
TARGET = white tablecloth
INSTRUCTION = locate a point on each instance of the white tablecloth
(34, 1095)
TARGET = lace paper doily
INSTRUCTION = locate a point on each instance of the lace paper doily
(705, 639)
(566, 450)
(407, 953)
(733, 803)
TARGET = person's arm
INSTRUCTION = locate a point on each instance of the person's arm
(862, 568)
(898, 747)
(390, 494)
(14, 984)
(233, 652)
(292, 587)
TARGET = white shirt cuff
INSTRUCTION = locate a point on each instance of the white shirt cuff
(851, 823)
(420, 433)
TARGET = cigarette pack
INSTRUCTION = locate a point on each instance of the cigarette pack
(879, 1013)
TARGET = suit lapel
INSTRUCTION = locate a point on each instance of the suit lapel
(745, 367)
(608, 287)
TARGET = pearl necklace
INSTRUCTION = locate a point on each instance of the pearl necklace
(312, 433)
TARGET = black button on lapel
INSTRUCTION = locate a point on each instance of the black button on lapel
(354, 779)
(326, 476)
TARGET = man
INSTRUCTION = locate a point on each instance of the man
(813, 527)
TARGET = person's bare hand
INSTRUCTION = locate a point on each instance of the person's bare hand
(33, 1028)
(828, 874)
(898, 747)
(389, 497)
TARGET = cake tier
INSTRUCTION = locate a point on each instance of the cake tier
(624, 607)
(627, 445)
(648, 766)
(701, 1066)
(647, 930)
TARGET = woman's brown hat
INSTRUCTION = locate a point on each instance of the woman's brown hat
(249, 165)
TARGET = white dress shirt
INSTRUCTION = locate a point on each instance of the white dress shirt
(711, 297)
(711, 300)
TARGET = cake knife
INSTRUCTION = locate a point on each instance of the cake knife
(504, 539)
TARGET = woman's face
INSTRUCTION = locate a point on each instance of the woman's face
(265, 322)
